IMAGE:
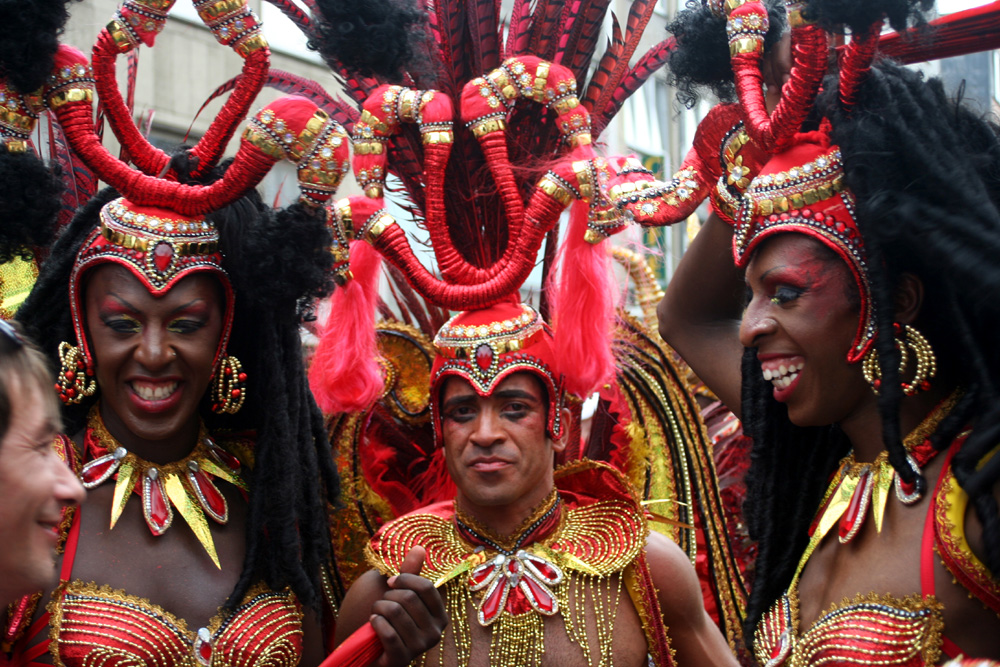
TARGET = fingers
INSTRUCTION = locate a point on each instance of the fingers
(430, 598)
(414, 561)
(410, 618)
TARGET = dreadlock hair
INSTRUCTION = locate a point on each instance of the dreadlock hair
(700, 59)
(925, 172)
(29, 37)
(294, 480)
(858, 15)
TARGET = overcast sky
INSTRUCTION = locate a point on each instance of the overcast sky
(949, 6)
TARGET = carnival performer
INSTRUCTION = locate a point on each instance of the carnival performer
(866, 222)
(35, 484)
(538, 567)
(171, 304)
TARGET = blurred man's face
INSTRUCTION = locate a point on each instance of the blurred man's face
(35, 485)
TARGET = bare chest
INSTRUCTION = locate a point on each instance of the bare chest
(172, 570)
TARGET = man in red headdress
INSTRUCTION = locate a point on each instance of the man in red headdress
(539, 566)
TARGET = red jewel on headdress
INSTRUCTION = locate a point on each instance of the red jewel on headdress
(484, 356)
(163, 254)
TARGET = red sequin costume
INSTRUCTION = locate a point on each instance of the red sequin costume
(492, 153)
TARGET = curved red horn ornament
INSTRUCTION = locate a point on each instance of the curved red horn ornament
(486, 100)
(138, 22)
(268, 139)
(747, 25)
(855, 63)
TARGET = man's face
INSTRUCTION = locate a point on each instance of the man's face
(496, 447)
(35, 484)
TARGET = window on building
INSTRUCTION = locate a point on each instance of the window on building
(995, 79)
(283, 36)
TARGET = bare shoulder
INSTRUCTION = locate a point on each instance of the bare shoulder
(356, 608)
(696, 640)
(669, 565)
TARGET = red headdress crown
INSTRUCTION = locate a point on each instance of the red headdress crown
(490, 159)
(157, 229)
(802, 191)
(483, 347)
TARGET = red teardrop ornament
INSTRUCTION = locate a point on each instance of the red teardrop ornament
(209, 496)
(491, 605)
(97, 471)
(158, 512)
(226, 459)
(481, 575)
(544, 569)
(543, 599)
(855, 514)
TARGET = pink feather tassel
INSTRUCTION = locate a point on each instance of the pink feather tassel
(584, 308)
(345, 374)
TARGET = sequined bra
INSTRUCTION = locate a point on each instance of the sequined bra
(883, 630)
(97, 625)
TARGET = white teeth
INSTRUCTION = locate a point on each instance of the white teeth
(783, 376)
(156, 393)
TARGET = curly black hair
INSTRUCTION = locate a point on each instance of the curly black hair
(276, 261)
(858, 15)
(30, 201)
(925, 172)
(377, 38)
(700, 60)
(29, 37)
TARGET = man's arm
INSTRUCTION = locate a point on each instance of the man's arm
(695, 638)
(406, 611)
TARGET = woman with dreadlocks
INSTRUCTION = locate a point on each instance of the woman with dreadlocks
(171, 305)
(865, 247)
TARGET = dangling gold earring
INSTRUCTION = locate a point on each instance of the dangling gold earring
(229, 390)
(76, 375)
(911, 339)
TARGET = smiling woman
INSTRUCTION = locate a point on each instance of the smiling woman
(144, 407)
(154, 356)
(863, 361)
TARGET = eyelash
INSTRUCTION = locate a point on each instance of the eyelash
(185, 326)
(123, 324)
(785, 295)
(127, 325)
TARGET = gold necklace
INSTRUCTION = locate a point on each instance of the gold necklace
(186, 484)
(859, 485)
